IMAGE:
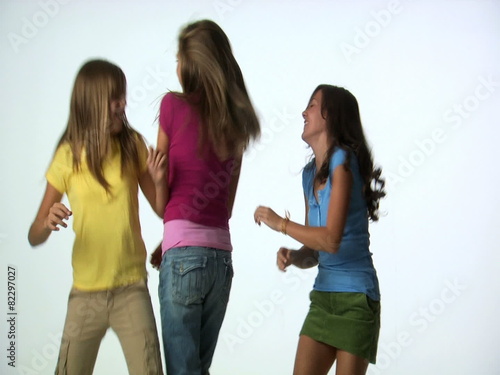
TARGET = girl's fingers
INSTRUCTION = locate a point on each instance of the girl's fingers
(281, 265)
(57, 214)
(282, 261)
(52, 225)
(163, 160)
(159, 156)
(62, 208)
(55, 220)
(259, 215)
(60, 213)
(150, 154)
(156, 159)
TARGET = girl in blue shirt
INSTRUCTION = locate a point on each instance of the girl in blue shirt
(342, 190)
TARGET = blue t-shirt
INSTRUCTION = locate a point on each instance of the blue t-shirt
(351, 268)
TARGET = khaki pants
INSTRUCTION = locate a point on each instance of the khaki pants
(128, 311)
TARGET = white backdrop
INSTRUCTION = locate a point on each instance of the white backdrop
(427, 78)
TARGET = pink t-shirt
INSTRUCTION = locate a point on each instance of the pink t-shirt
(198, 180)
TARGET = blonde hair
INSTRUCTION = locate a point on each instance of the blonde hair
(98, 83)
(212, 82)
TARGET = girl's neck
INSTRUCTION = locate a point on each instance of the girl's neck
(319, 149)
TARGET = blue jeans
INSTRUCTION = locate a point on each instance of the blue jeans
(194, 291)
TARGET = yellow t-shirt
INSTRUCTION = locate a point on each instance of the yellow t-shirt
(108, 251)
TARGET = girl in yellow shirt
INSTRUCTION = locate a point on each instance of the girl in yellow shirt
(99, 163)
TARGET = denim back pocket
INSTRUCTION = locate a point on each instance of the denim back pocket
(189, 280)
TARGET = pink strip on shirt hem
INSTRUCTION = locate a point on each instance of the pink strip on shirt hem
(180, 233)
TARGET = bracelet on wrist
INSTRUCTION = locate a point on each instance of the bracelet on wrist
(284, 222)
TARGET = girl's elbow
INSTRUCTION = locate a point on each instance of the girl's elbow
(31, 242)
(32, 238)
(331, 244)
(333, 248)
(34, 242)
(330, 248)
(160, 210)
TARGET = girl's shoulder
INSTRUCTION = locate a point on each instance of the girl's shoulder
(172, 98)
(63, 152)
(138, 137)
(172, 103)
(63, 159)
(63, 147)
(338, 157)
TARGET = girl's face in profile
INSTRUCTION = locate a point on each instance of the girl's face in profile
(314, 122)
(117, 110)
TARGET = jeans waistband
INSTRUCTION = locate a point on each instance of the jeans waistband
(197, 250)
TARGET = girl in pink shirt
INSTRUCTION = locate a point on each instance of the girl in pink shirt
(204, 131)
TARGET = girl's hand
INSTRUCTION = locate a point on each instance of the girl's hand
(157, 166)
(156, 256)
(284, 258)
(269, 217)
(57, 214)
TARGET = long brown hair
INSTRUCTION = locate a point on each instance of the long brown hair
(98, 83)
(212, 82)
(341, 111)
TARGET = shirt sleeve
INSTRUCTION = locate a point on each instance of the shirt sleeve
(142, 153)
(60, 169)
(338, 158)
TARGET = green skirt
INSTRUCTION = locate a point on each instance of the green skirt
(346, 321)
